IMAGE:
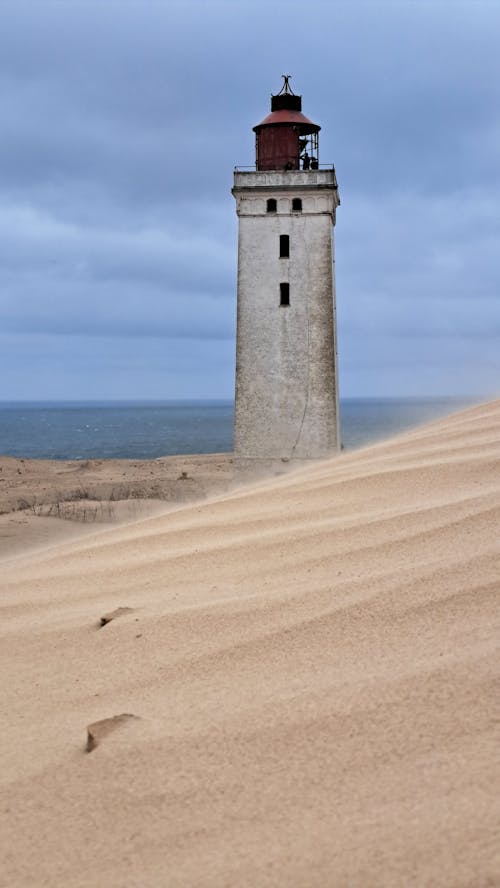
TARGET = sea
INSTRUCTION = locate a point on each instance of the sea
(150, 429)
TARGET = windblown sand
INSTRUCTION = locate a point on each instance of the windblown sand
(294, 684)
(45, 501)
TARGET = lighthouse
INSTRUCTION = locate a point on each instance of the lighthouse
(286, 398)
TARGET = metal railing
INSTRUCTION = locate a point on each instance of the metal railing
(253, 169)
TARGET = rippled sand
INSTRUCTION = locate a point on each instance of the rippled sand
(294, 684)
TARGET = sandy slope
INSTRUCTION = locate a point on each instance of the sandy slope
(312, 664)
(44, 501)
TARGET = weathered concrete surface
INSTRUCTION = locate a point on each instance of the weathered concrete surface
(286, 408)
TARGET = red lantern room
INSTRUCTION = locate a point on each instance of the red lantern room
(286, 139)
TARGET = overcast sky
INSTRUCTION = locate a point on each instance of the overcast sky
(121, 124)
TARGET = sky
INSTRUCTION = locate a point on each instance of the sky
(121, 125)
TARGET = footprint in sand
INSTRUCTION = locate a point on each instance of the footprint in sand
(100, 729)
(113, 615)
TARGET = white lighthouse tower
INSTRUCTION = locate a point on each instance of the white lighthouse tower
(286, 407)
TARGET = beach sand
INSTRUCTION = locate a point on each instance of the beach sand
(43, 502)
(298, 688)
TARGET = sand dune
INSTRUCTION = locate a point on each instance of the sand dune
(312, 667)
(44, 501)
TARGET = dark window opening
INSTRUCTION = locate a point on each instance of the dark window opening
(284, 294)
(271, 205)
(284, 246)
(297, 205)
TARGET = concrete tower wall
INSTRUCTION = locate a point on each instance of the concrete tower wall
(286, 406)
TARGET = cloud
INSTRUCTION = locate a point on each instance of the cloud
(108, 282)
(121, 128)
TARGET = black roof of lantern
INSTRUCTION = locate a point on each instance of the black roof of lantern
(286, 100)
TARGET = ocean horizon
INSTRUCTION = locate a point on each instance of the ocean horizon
(138, 429)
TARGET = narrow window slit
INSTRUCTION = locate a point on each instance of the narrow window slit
(284, 246)
(271, 205)
(297, 205)
(284, 294)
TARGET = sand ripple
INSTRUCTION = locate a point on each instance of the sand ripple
(313, 663)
